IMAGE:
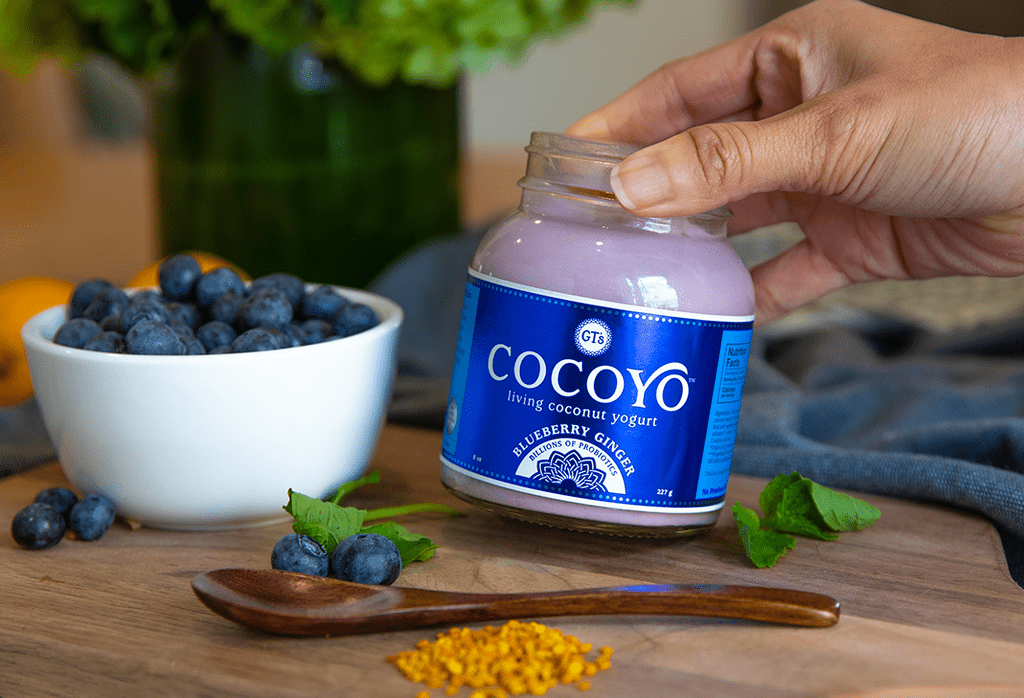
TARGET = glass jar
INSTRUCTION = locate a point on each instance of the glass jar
(601, 357)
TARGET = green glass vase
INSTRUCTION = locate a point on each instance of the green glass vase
(285, 163)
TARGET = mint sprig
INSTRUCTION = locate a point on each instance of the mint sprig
(412, 546)
(329, 523)
(347, 488)
(326, 523)
(793, 504)
(764, 548)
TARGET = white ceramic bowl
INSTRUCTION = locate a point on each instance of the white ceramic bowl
(212, 442)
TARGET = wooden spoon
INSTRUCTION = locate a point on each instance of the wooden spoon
(297, 604)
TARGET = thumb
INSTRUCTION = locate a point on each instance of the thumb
(713, 164)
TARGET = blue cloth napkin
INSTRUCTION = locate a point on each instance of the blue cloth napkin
(896, 411)
(23, 439)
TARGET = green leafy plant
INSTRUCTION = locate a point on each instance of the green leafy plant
(793, 504)
(418, 41)
(329, 523)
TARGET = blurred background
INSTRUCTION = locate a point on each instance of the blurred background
(77, 194)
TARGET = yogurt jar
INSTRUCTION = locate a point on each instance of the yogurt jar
(601, 357)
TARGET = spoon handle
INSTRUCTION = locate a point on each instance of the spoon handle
(763, 604)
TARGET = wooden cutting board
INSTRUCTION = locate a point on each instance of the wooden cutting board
(929, 608)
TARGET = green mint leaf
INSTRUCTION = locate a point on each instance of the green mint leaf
(771, 495)
(764, 548)
(840, 511)
(346, 489)
(795, 504)
(792, 509)
(326, 523)
(413, 547)
(405, 509)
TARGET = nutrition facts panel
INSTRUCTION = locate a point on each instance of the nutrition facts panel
(725, 413)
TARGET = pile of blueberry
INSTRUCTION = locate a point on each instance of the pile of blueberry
(214, 312)
(56, 511)
(366, 558)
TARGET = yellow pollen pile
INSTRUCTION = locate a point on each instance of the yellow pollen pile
(514, 659)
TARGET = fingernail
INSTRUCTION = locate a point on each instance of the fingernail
(639, 183)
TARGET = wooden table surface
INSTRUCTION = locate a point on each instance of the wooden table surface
(928, 606)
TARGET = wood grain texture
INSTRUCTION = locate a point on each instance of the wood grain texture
(928, 605)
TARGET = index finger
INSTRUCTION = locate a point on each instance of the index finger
(714, 85)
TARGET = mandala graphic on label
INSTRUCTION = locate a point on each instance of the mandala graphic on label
(564, 461)
(571, 467)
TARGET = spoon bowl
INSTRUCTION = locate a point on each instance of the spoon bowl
(296, 604)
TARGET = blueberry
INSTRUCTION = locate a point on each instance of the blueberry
(215, 283)
(183, 331)
(298, 553)
(112, 323)
(37, 527)
(216, 334)
(226, 349)
(225, 308)
(109, 301)
(144, 308)
(296, 336)
(75, 333)
(108, 342)
(90, 518)
(149, 337)
(288, 284)
(316, 331)
(258, 339)
(367, 558)
(60, 498)
(322, 303)
(84, 294)
(267, 307)
(147, 295)
(353, 319)
(193, 347)
(185, 313)
(178, 275)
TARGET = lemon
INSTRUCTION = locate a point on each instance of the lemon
(20, 299)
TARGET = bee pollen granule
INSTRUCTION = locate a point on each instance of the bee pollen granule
(514, 659)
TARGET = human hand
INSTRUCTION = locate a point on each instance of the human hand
(897, 145)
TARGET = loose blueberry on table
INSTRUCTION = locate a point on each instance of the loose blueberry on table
(91, 517)
(179, 318)
(298, 553)
(367, 558)
(60, 498)
(56, 511)
(37, 527)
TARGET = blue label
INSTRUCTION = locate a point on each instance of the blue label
(601, 403)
